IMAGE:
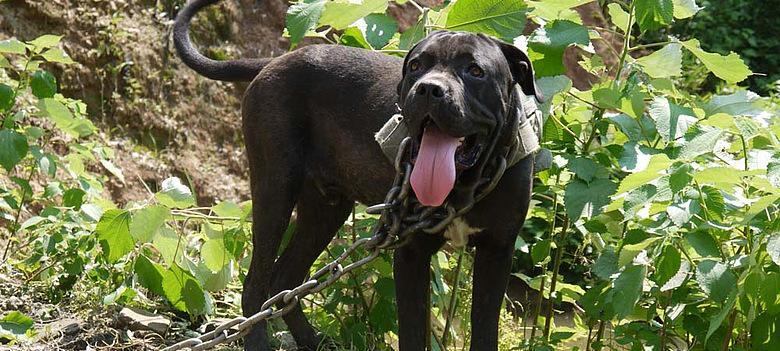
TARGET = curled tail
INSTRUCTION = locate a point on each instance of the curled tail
(230, 70)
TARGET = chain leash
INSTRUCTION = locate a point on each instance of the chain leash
(400, 216)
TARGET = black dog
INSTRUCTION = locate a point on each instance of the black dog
(309, 119)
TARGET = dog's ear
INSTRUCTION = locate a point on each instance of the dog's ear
(522, 70)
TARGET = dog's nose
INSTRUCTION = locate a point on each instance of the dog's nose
(431, 89)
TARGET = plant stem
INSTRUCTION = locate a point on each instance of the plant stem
(18, 216)
(652, 45)
(729, 331)
(554, 280)
(537, 311)
(626, 43)
(596, 119)
(453, 300)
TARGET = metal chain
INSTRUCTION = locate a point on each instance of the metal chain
(401, 215)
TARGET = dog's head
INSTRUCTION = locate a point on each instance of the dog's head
(458, 95)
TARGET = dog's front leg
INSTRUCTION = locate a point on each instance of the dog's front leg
(492, 266)
(411, 269)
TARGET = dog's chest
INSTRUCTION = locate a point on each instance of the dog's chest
(458, 232)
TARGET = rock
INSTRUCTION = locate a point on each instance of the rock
(137, 319)
(62, 327)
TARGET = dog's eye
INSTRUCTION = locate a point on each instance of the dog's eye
(414, 65)
(476, 71)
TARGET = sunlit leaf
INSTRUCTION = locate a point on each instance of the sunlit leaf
(301, 18)
(627, 289)
(653, 14)
(113, 232)
(503, 19)
(730, 68)
(663, 63)
(13, 148)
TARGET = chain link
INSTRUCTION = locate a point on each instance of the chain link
(400, 216)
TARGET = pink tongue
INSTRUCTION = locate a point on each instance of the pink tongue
(433, 175)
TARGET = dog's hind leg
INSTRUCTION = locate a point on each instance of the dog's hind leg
(276, 184)
(319, 219)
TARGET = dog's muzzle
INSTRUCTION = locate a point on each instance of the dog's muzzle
(525, 142)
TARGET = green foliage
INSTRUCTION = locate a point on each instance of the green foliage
(659, 216)
(744, 27)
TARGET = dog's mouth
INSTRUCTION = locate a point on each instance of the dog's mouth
(438, 158)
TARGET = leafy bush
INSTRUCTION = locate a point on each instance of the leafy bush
(667, 201)
(745, 27)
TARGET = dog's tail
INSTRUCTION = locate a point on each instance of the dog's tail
(231, 70)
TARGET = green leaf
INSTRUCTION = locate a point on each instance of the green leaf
(43, 84)
(685, 8)
(769, 291)
(16, 323)
(339, 14)
(671, 120)
(301, 18)
(503, 19)
(718, 319)
(57, 55)
(586, 169)
(113, 231)
(704, 244)
(606, 264)
(63, 118)
(150, 275)
(550, 42)
(12, 46)
(45, 41)
(747, 127)
(541, 251)
(773, 173)
(773, 248)
(174, 194)
(730, 68)
(701, 144)
(653, 14)
(587, 199)
(765, 332)
(681, 213)
(656, 164)
(631, 127)
(741, 103)
(228, 209)
(619, 16)
(169, 244)
(4, 63)
(551, 86)
(550, 10)
(667, 265)
(7, 97)
(630, 251)
(678, 278)
(73, 198)
(13, 148)
(379, 29)
(412, 36)
(638, 198)
(663, 63)
(214, 254)
(759, 206)
(352, 36)
(113, 169)
(147, 222)
(184, 292)
(627, 289)
(715, 279)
